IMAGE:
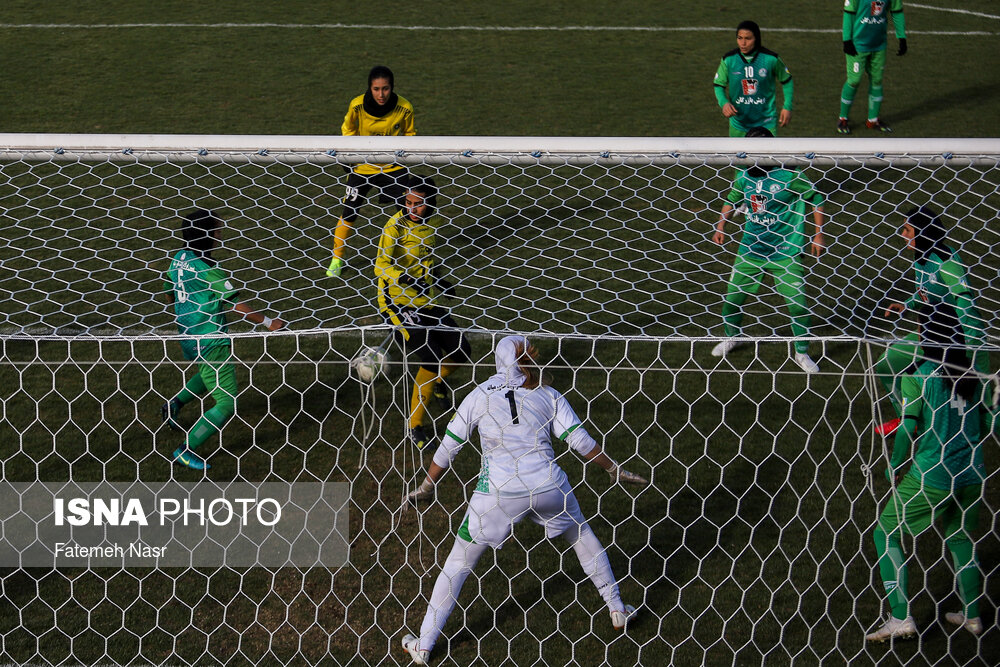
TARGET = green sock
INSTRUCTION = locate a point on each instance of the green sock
(210, 423)
(892, 569)
(874, 101)
(967, 574)
(847, 94)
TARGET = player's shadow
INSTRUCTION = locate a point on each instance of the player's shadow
(511, 227)
(703, 534)
(979, 95)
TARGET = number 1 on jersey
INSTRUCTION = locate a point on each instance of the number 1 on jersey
(513, 405)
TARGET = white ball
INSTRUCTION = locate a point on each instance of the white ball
(368, 363)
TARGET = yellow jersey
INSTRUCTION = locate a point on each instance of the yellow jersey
(406, 248)
(362, 121)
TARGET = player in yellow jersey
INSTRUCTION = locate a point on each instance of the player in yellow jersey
(409, 286)
(379, 112)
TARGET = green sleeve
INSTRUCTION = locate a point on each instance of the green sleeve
(953, 275)
(911, 389)
(898, 20)
(848, 21)
(735, 196)
(721, 83)
(788, 93)
(804, 187)
(219, 283)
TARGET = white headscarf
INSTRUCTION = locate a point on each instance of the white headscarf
(508, 372)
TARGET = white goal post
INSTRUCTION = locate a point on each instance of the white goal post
(753, 541)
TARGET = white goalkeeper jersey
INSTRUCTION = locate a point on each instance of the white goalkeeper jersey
(516, 426)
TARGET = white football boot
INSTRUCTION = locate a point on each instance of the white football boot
(412, 645)
(806, 363)
(973, 625)
(894, 629)
(620, 619)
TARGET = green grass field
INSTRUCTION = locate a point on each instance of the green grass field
(751, 545)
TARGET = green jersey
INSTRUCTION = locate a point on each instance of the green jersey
(750, 84)
(943, 279)
(202, 295)
(866, 23)
(948, 454)
(775, 203)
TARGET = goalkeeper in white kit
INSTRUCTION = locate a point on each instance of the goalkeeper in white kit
(517, 415)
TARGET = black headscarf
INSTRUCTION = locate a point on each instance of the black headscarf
(197, 228)
(930, 235)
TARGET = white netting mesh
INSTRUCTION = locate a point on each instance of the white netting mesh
(753, 541)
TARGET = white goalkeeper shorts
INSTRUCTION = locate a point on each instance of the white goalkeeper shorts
(490, 519)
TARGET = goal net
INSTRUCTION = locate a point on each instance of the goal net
(753, 541)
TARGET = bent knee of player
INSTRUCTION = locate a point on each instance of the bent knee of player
(225, 404)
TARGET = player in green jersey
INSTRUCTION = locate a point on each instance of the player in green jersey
(942, 406)
(773, 240)
(866, 27)
(940, 276)
(201, 294)
(746, 84)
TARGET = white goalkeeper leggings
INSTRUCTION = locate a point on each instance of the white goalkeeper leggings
(465, 554)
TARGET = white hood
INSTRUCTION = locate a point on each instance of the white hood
(508, 372)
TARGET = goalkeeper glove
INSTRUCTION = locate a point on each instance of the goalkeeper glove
(619, 474)
(849, 48)
(422, 492)
(902, 47)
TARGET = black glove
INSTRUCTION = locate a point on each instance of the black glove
(902, 47)
(405, 280)
(849, 48)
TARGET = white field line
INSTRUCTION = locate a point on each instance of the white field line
(461, 28)
(954, 11)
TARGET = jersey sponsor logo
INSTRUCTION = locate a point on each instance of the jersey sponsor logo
(877, 7)
(749, 86)
(758, 203)
(750, 101)
(873, 20)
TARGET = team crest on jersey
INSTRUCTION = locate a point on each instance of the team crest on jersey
(763, 72)
(758, 203)
(774, 188)
(749, 86)
(878, 6)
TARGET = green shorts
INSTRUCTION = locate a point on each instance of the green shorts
(914, 507)
(872, 64)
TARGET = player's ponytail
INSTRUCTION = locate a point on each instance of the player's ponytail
(527, 361)
(943, 342)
